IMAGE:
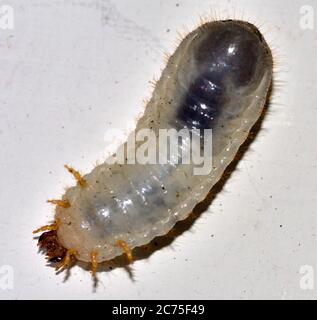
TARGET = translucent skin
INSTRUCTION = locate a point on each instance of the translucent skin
(219, 77)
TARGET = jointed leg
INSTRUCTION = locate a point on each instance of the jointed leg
(124, 246)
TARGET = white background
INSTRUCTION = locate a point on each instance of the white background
(71, 70)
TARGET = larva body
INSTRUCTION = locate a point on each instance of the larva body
(218, 78)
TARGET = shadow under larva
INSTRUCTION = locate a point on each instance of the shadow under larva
(219, 78)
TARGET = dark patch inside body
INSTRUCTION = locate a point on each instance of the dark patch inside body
(227, 52)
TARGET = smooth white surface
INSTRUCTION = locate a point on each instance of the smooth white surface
(71, 70)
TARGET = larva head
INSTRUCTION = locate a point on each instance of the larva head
(48, 242)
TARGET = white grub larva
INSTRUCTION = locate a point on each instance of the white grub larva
(219, 78)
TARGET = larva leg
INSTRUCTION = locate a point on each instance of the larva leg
(94, 263)
(65, 264)
(126, 249)
(51, 227)
(81, 181)
(60, 203)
